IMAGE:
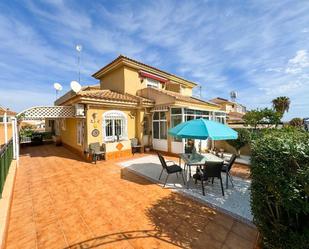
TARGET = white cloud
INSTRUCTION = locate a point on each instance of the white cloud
(298, 63)
(260, 49)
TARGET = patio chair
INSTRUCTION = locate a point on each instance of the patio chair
(135, 146)
(210, 170)
(227, 168)
(96, 151)
(171, 169)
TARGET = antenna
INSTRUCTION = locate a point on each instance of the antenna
(75, 86)
(58, 88)
(233, 95)
(79, 49)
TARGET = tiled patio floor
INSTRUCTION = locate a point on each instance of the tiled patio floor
(236, 200)
(60, 201)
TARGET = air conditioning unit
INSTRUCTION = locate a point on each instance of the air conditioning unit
(79, 110)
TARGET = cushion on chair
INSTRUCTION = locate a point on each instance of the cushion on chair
(174, 168)
(99, 153)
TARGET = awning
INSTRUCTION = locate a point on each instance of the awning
(152, 76)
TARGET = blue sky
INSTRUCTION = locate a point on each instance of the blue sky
(258, 48)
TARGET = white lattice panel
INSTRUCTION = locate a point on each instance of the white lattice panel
(41, 112)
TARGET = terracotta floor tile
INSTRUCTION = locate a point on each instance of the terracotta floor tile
(216, 231)
(51, 236)
(235, 241)
(24, 242)
(223, 220)
(244, 231)
(206, 241)
(61, 201)
(78, 232)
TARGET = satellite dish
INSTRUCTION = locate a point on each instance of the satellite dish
(79, 47)
(58, 86)
(75, 86)
(233, 95)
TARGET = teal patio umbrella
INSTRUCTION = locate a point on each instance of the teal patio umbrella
(203, 129)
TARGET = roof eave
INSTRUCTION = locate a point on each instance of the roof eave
(122, 60)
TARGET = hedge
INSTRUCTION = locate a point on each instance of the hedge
(280, 188)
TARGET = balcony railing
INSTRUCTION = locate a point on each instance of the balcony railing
(6, 157)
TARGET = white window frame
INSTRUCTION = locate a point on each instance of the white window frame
(112, 116)
(152, 83)
(159, 121)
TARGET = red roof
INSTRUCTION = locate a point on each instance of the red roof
(8, 112)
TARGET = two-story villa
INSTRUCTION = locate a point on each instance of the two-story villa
(133, 100)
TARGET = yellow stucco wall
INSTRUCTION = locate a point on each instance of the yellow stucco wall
(10, 134)
(114, 80)
(126, 80)
(186, 91)
(97, 124)
(175, 87)
(69, 135)
(132, 81)
(158, 97)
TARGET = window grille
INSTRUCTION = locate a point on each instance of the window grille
(114, 126)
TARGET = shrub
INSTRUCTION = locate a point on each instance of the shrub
(26, 130)
(297, 122)
(280, 188)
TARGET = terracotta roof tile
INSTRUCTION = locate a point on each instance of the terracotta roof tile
(189, 99)
(10, 113)
(111, 95)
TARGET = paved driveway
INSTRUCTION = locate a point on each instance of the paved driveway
(60, 201)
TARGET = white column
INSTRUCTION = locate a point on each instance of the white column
(183, 120)
(15, 139)
(5, 128)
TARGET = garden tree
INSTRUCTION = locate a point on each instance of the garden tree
(262, 116)
(271, 117)
(281, 104)
(297, 122)
(241, 141)
(253, 118)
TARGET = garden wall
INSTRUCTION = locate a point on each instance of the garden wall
(229, 149)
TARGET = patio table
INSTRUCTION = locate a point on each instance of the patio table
(196, 159)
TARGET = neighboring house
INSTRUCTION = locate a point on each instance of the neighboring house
(234, 110)
(133, 100)
(9, 115)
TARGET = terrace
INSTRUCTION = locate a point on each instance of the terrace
(60, 201)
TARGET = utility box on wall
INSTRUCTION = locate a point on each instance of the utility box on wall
(79, 110)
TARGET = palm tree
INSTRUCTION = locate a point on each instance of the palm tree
(281, 104)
